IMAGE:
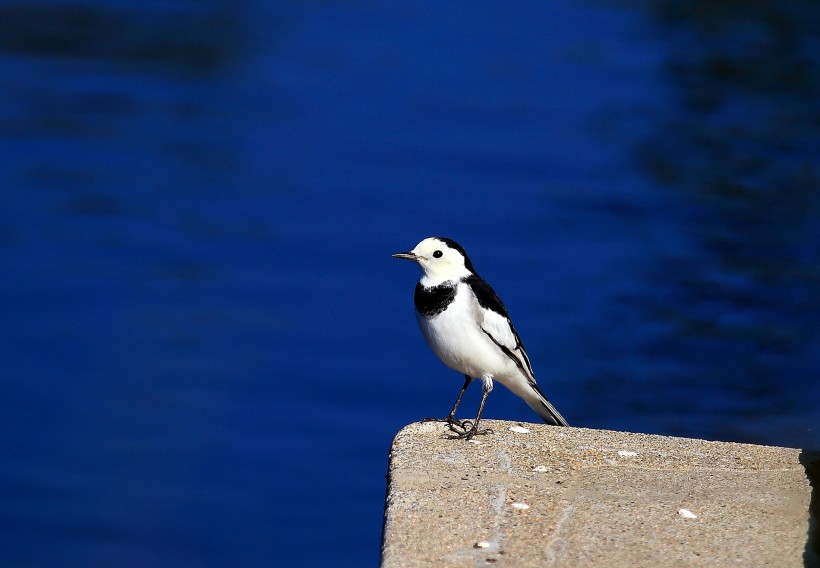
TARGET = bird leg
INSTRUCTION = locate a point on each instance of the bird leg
(473, 430)
(451, 418)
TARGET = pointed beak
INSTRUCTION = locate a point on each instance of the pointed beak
(407, 255)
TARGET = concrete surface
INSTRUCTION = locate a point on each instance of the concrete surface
(554, 496)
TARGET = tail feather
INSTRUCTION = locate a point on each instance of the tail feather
(544, 408)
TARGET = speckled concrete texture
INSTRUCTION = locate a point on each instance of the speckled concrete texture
(537, 495)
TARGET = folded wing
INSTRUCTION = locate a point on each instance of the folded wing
(498, 327)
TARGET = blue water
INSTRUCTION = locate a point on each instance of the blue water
(206, 346)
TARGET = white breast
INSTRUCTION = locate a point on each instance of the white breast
(456, 338)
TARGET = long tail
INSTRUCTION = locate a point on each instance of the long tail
(544, 408)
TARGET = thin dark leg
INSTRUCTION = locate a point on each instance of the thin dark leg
(467, 380)
(451, 418)
(473, 430)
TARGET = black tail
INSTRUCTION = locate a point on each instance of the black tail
(546, 410)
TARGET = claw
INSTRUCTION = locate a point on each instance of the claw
(451, 421)
(468, 434)
(462, 429)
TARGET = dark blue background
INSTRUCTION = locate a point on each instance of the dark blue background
(206, 346)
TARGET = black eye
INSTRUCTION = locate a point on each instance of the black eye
(437, 254)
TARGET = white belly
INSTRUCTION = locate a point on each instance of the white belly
(456, 338)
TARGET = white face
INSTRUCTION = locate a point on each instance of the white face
(439, 263)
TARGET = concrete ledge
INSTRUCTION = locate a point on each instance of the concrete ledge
(575, 497)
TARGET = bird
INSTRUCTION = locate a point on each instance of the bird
(468, 328)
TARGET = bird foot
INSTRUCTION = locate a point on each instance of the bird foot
(451, 420)
(467, 433)
(456, 425)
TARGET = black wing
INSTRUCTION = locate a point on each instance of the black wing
(499, 327)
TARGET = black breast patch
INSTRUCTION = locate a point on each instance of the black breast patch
(433, 300)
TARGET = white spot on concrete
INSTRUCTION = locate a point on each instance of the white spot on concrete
(519, 430)
(474, 553)
(520, 506)
(497, 498)
(627, 453)
(687, 514)
(476, 442)
(541, 469)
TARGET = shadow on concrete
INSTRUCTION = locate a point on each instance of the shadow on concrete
(810, 459)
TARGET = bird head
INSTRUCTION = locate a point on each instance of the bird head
(440, 259)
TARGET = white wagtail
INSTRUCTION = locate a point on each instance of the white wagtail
(467, 327)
